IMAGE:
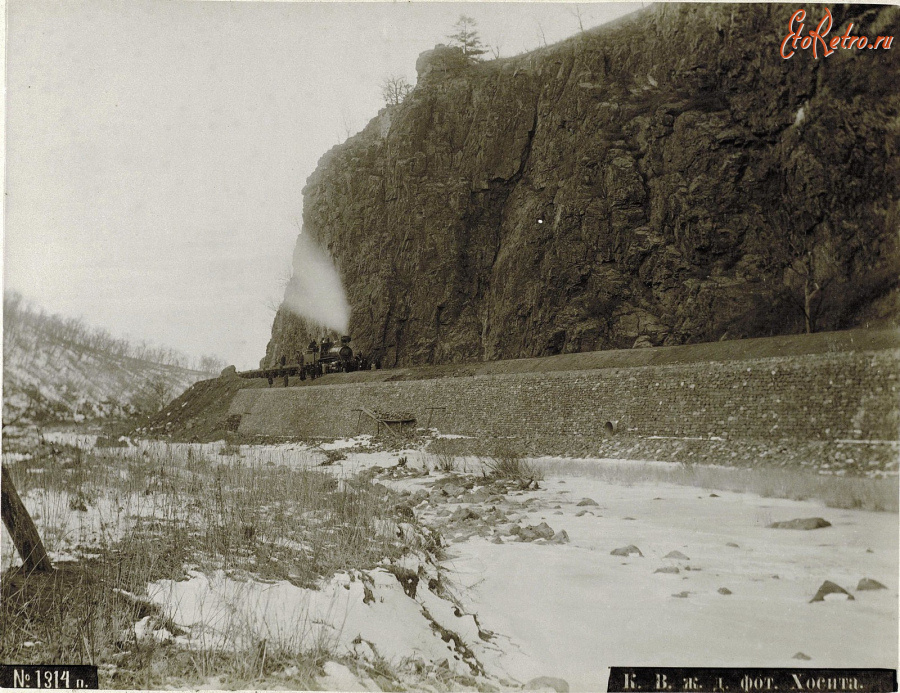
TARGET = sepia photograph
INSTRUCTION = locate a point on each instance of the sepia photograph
(450, 346)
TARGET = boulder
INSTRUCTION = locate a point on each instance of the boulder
(454, 481)
(672, 569)
(724, 590)
(463, 514)
(547, 683)
(630, 550)
(869, 584)
(543, 530)
(802, 656)
(405, 512)
(677, 555)
(479, 496)
(229, 372)
(587, 501)
(440, 60)
(801, 523)
(533, 532)
(830, 591)
(561, 537)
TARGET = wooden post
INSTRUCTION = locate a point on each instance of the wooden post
(21, 528)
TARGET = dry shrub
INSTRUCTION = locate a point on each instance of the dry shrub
(442, 455)
(175, 506)
(507, 461)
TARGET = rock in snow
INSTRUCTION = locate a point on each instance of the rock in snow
(801, 523)
(724, 590)
(668, 569)
(588, 501)
(802, 656)
(463, 514)
(829, 591)
(677, 555)
(547, 683)
(629, 550)
(870, 584)
(533, 532)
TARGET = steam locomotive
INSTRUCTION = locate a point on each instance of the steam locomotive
(319, 359)
(328, 357)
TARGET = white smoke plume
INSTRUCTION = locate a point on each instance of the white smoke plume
(315, 291)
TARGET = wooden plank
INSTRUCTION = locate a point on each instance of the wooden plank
(21, 528)
(378, 420)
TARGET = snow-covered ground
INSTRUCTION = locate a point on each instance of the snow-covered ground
(573, 610)
(737, 593)
(353, 614)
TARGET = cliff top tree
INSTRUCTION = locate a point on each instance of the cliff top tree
(466, 37)
(394, 89)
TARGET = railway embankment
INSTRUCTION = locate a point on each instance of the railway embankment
(827, 401)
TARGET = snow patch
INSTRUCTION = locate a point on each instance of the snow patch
(224, 613)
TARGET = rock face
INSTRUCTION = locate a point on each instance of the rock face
(662, 180)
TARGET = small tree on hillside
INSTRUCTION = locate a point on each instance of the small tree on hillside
(154, 394)
(394, 89)
(798, 254)
(576, 12)
(466, 37)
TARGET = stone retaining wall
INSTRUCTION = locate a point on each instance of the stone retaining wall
(815, 397)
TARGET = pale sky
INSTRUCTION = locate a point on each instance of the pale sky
(156, 151)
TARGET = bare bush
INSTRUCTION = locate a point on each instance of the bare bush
(394, 89)
(180, 506)
(442, 455)
(507, 461)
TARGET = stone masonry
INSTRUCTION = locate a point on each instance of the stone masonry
(822, 399)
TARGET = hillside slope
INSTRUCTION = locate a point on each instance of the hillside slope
(55, 375)
(663, 180)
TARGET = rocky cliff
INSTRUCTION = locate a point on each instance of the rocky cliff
(662, 180)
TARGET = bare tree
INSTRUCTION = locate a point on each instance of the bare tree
(273, 304)
(576, 12)
(210, 364)
(813, 273)
(346, 130)
(466, 37)
(541, 36)
(155, 394)
(394, 89)
(808, 268)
